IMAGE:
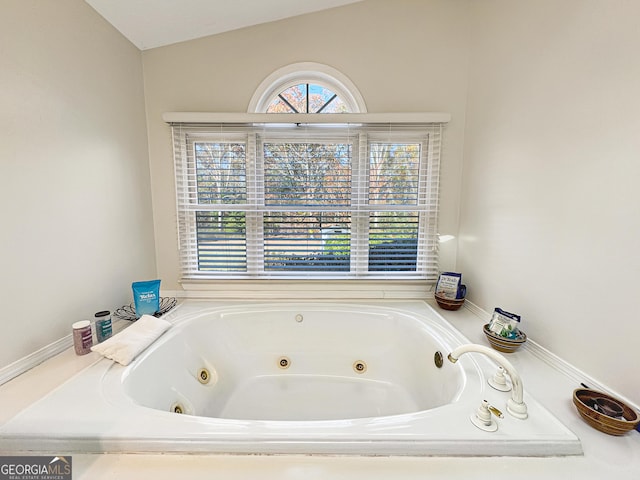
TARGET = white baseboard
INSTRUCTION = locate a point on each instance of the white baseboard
(36, 358)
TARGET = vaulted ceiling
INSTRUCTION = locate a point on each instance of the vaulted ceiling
(154, 23)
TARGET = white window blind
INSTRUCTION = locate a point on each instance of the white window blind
(307, 201)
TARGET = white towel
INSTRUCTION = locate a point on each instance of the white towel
(130, 342)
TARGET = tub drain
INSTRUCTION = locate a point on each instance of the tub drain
(204, 376)
(359, 366)
(284, 362)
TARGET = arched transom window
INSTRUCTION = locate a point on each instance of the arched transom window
(307, 88)
(307, 98)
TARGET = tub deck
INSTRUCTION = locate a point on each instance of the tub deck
(604, 456)
(90, 414)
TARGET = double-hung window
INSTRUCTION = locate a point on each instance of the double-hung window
(325, 201)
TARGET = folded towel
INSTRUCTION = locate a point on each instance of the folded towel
(130, 342)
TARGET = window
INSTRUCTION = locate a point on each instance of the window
(307, 201)
(307, 87)
(307, 98)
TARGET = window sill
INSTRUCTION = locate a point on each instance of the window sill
(307, 289)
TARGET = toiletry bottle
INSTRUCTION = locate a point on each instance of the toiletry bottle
(103, 325)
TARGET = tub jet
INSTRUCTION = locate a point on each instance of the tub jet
(204, 376)
(359, 366)
(284, 362)
(438, 359)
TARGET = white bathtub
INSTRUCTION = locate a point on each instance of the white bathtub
(328, 378)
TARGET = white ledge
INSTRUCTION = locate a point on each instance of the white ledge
(296, 289)
(307, 118)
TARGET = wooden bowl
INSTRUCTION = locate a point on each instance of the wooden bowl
(449, 303)
(585, 401)
(502, 344)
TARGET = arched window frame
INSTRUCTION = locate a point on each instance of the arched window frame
(307, 72)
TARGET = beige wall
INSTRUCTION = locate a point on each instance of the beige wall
(74, 177)
(405, 55)
(550, 219)
(543, 95)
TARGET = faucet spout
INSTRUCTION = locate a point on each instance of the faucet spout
(515, 405)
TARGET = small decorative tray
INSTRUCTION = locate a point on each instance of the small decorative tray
(128, 312)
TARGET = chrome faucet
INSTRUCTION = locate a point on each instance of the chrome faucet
(515, 405)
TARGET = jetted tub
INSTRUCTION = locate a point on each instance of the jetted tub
(297, 363)
(330, 378)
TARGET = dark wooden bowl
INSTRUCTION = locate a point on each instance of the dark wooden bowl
(449, 303)
(502, 344)
(585, 401)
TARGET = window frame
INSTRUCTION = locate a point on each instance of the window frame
(427, 237)
(307, 72)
